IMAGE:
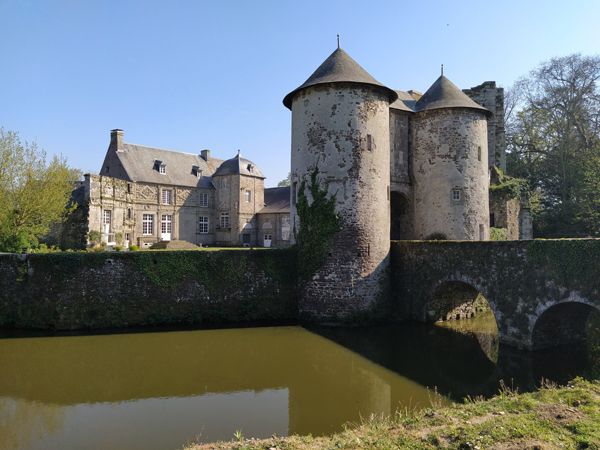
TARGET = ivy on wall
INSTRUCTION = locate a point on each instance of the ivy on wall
(318, 225)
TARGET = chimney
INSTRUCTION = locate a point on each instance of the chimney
(415, 94)
(116, 139)
(205, 155)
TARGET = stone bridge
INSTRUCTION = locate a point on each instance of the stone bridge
(542, 292)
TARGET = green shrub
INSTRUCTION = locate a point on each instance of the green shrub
(118, 248)
(119, 238)
(134, 248)
(498, 234)
(94, 237)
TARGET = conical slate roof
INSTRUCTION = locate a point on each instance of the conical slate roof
(444, 94)
(339, 68)
(238, 165)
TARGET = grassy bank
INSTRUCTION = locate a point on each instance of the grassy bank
(551, 418)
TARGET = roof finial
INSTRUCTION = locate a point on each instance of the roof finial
(239, 153)
(442, 70)
(339, 41)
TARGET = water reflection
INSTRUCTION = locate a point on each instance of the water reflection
(158, 390)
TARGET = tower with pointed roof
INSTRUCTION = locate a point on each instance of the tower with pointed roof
(340, 124)
(450, 165)
(403, 165)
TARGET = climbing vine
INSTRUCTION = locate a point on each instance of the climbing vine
(318, 225)
(510, 187)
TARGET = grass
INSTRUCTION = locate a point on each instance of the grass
(551, 418)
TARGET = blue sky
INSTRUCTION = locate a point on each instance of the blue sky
(194, 75)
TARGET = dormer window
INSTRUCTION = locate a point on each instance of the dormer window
(162, 169)
(250, 168)
(196, 170)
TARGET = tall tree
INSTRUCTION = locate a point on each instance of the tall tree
(34, 193)
(553, 134)
(286, 182)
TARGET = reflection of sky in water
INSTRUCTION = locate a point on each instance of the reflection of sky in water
(157, 423)
(160, 390)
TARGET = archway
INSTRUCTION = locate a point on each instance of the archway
(563, 323)
(401, 217)
(454, 301)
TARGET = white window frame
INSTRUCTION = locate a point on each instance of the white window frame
(162, 169)
(203, 200)
(456, 195)
(166, 223)
(224, 223)
(248, 196)
(203, 225)
(106, 217)
(167, 196)
(148, 224)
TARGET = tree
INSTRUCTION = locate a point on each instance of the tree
(33, 193)
(553, 135)
(287, 182)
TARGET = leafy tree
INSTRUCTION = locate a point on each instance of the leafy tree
(553, 134)
(33, 193)
(286, 182)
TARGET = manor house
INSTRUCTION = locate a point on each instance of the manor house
(144, 195)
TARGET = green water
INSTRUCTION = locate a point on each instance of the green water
(161, 390)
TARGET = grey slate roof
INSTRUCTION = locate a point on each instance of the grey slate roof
(405, 102)
(444, 94)
(277, 200)
(339, 68)
(140, 163)
(239, 165)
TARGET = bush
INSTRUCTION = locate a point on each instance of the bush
(134, 248)
(119, 238)
(94, 237)
(118, 248)
(498, 234)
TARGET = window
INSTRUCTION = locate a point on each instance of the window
(203, 223)
(128, 187)
(162, 169)
(250, 168)
(148, 224)
(224, 220)
(369, 142)
(129, 213)
(127, 237)
(478, 153)
(248, 194)
(456, 195)
(482, 232)
(294, 189)
(204, 200)
(492, 221)
(285, 228)
(223, 183)
(166, 196)
(199, 173)
(166, 222)
(106, 217)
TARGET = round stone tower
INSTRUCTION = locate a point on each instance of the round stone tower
(340, 123)
(449, 165)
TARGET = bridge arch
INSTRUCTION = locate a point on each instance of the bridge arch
(454, 298)
(563, 322)
(401, 217)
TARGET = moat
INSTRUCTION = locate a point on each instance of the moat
(160, 390)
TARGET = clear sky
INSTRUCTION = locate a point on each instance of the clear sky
(193, 75)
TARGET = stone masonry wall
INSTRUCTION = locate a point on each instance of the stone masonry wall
(450, 154)
(120, 289)
(344, 130)
(506, 213)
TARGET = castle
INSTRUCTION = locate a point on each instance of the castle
(403, 165)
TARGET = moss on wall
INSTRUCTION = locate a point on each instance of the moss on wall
(105, 290)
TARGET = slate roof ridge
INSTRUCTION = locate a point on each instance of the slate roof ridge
(339, 67)
(162, 149)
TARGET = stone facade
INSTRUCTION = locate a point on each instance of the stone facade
(144, 195)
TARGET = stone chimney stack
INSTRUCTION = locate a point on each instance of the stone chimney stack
(116, 139)
(205, 155)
